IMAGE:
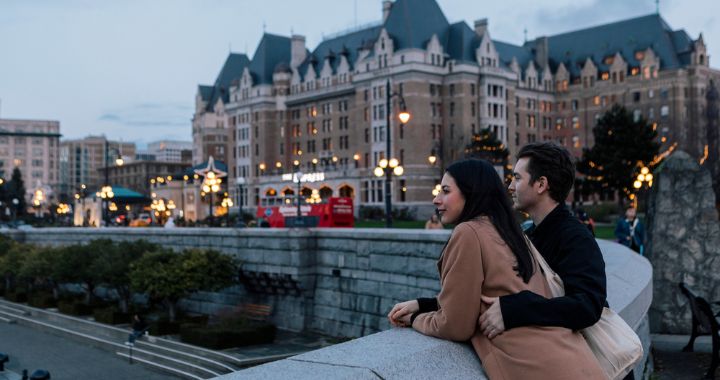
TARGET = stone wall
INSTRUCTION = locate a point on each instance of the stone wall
(405, 354)
(350, 278)
(683, 241)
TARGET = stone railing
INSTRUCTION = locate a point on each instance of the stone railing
(406, 354)
(349, 279)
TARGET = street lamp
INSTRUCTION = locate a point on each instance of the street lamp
(227, 203)
(240, 181)
(211, 182)
(643, 180)
(37, 201)
(389, 168)
(106, 193)
(298, 176)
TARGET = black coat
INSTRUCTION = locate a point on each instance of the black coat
(571, 251)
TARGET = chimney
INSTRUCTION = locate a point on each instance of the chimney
(541, 51)
(386, 6)
(481, 26)
(297, 50)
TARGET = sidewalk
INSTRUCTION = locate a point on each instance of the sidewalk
(673, 364)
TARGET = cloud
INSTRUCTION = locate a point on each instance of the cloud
(163, 115)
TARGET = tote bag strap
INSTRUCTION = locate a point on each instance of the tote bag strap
(557, 288)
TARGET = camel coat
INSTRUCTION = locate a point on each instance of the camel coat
(477, 261)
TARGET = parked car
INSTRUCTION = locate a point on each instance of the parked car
(143, 220)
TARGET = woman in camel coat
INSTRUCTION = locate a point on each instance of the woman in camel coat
(487, 254)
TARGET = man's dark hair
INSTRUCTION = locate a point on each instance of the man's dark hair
(553, 162)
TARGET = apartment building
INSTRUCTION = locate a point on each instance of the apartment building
(33, 147)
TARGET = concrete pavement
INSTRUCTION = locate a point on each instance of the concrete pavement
(64, 358)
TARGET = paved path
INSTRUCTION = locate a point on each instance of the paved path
(66, 359)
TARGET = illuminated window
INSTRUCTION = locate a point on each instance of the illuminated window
(596, 100)
(576, 122)
(639, 55)
(605, 76)
(634, 71)
(609, 60)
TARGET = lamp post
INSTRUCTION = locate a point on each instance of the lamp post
(182, 196)
(240, 181)
(227, 203)
(643, 180)
(389, 168)
(298, 175)
(211, 183)
(106, 193)
(37, 201)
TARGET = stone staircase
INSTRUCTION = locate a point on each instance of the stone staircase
(179, 359)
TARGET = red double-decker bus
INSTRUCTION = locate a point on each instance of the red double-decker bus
(336, 212)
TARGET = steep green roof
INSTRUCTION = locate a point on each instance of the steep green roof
(412, 23)
(231, 70)
(205, 92)
(626, 37)
(272, 51)
(462, 42)
(348, 44)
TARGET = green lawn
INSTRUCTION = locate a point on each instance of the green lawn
(605, 232)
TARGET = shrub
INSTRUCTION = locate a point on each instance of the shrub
(42, 300)
(226, 336)
(371, 213)
(404, 213)
(111, 316)
(74, 308)
(602, 212)
(16, 295)
(166, 276)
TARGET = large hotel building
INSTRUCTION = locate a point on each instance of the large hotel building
(326, 108)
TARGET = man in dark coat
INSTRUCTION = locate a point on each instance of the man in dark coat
(543, 176)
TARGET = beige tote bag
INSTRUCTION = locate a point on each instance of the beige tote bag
(612, 341)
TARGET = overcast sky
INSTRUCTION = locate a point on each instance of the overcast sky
(129, 69)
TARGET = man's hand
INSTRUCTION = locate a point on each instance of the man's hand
(400, 314)
(491, 321)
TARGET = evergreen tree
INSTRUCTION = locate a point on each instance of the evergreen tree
(16, 190)
(622, 145)
(486, 146)
(4, 199)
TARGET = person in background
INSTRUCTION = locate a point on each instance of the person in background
(585, 219)
(139, 327)
(433, 223)
(630, 232)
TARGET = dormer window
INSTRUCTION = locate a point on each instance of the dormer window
(639, 55)
(605, 76)
(609, 60)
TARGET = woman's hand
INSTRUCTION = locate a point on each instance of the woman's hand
(400, 314)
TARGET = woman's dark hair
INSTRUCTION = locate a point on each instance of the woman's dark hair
(486, 195)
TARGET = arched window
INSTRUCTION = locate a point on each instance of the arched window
(346, 191)
(325, 192)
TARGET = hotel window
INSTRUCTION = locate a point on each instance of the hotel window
(664, 111)
(576, 122)
(637, 114)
